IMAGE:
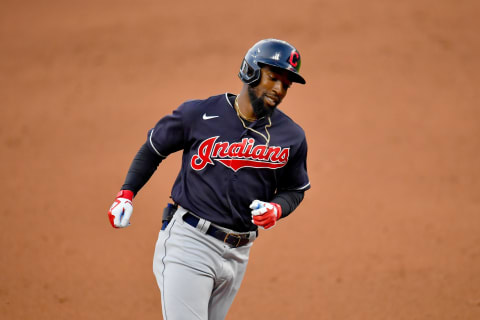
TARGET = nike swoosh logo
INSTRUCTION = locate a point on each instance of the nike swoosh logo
(205, 117)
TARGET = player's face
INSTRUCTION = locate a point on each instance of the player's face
(270, 91)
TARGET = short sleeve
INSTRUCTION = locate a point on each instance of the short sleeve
(295, 176)
(168, 135)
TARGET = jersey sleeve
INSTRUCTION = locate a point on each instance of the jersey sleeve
(168, 135)
(295, 177)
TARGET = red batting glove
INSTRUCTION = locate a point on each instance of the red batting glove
(121, 210)
(265, 214)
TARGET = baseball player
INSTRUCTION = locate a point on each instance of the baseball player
(243, 167)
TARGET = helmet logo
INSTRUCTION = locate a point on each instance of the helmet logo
(293, 60)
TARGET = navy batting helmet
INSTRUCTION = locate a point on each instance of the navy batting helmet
(272, 52)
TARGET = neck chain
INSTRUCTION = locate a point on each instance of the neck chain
(237, 107)
(241, 117)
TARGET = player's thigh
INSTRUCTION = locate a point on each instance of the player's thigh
(183, 273)
(185, 292)
(227, 287)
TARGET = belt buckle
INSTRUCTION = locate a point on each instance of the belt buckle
(238, 237)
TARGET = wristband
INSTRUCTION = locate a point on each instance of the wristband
(127, 194)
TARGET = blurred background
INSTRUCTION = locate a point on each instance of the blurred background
(391, 226)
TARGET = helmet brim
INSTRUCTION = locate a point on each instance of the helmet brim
(293, 75)
(297, 78)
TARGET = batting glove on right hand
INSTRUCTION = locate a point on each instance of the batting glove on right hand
(265, 214)
(121, 210)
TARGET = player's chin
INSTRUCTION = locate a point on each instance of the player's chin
(262, 108)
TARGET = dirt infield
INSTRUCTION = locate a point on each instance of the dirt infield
(391, 226)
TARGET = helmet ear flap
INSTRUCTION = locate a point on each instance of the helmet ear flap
(248, 73)
(247, 70)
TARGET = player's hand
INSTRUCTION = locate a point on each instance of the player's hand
(121, 210)
(265, 214)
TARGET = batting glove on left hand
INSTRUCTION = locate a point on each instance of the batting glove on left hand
(121, 210)
(265, 214)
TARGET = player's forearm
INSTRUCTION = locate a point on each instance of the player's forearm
(288, 200)
(142, 168)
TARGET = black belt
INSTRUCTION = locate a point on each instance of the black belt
(233, 239)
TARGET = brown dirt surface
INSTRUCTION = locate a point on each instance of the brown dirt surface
(391, 226)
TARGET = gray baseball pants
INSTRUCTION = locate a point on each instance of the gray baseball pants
(198, 275)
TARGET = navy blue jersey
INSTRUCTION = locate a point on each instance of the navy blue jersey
(226, 166)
